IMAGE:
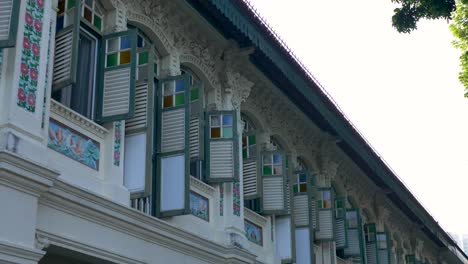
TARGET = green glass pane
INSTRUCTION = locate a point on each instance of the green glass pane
(252, 140)
(295, 189)
(267, 170)
(97, 22)
(227, 132)
(179, 99)
(155, 68)
(143, 58)
(244, 153)
(111, 60)
(71, 4)
(319, 204)
(194, 94)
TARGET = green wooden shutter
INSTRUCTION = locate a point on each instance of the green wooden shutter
(8, 22)
(140, 124)
(383, 248)
(325, 207)
(355, 246)
(222, 155)
(371, 243)
(172, 147)
(67, 50)
(250, 165)
(116, 89)
(196, 131)
(340, 222)
(273, 171)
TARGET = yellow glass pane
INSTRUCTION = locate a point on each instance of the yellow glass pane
(167, 101)
(215, 132)
(125, 57)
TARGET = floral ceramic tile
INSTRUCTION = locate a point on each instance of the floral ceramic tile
(199, 206)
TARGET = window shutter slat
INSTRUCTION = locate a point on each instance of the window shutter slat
(325, 218)
(66, 52)
(353, 243)
(313, 211)
(371, 253)
(383, 256)
(301, 210)
(139, 120)
(9, 11)
(172, 147)
(222, 146)
(250, 178)
(340, 235)
(116, 89)
(194, 137)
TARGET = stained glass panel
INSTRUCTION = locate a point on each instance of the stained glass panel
(111, 60)
(227, 132)
(179, 99)
(125, 42)
(215, 132)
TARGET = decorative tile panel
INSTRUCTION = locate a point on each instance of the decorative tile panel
(236, 203)
(73, 144)
(221, 199)
(117, 142)
(30, 58)
(199, 206)
(253, 232)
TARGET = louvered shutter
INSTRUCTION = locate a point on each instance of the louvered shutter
(67, 51)
(325, 214)
(172, 147)
(273, 171)
(9, 11)
(222, 155)
(340, 222)
(383, 248)
(250, 165)
(196, 132)
(371, 243)
(116, 93)
(354, 248)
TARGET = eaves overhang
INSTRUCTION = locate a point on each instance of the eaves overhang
(235, 19)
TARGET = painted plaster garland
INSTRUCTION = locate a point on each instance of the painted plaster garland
(117, 142)
(30, 57)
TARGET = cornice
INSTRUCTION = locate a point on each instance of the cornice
(24, 174)
(92, 207)
(77, 119)
(20, 252)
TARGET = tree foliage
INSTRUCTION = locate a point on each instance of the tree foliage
(459, 29)
(410, 12)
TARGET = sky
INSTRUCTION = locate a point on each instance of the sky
(401, 91)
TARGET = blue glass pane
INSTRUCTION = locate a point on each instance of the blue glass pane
(326, 195)
(139, 42)
(227, 120)
(302, 178)
(59, 25)
(179, 86)
(276, 158)
(125, 42)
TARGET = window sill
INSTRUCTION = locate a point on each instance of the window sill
(77, 119)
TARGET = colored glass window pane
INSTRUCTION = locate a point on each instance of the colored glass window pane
(276, 158)
(326, 195)
(244, 153)
(319, 204)
(139, 42)
(71, 4)
(194, 94)
(302, 178)
(60, 23)
(227, 120)
(227, 132)
(167, 88)
(244, 141)
(267, 170)
(61, 7)
(215, 121)
(215, 132)
(125, 57)
(125, 42)
(180, 87)
(303, 188)
(179, 99)
(277, 170)
(97, 22)
(88, 14)
(89, 3)
(167, 101)
(112, 45)
(142, 58)
(267, 159)
(295, 188)
(155, 68)
(111, 60)
(252, 140)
